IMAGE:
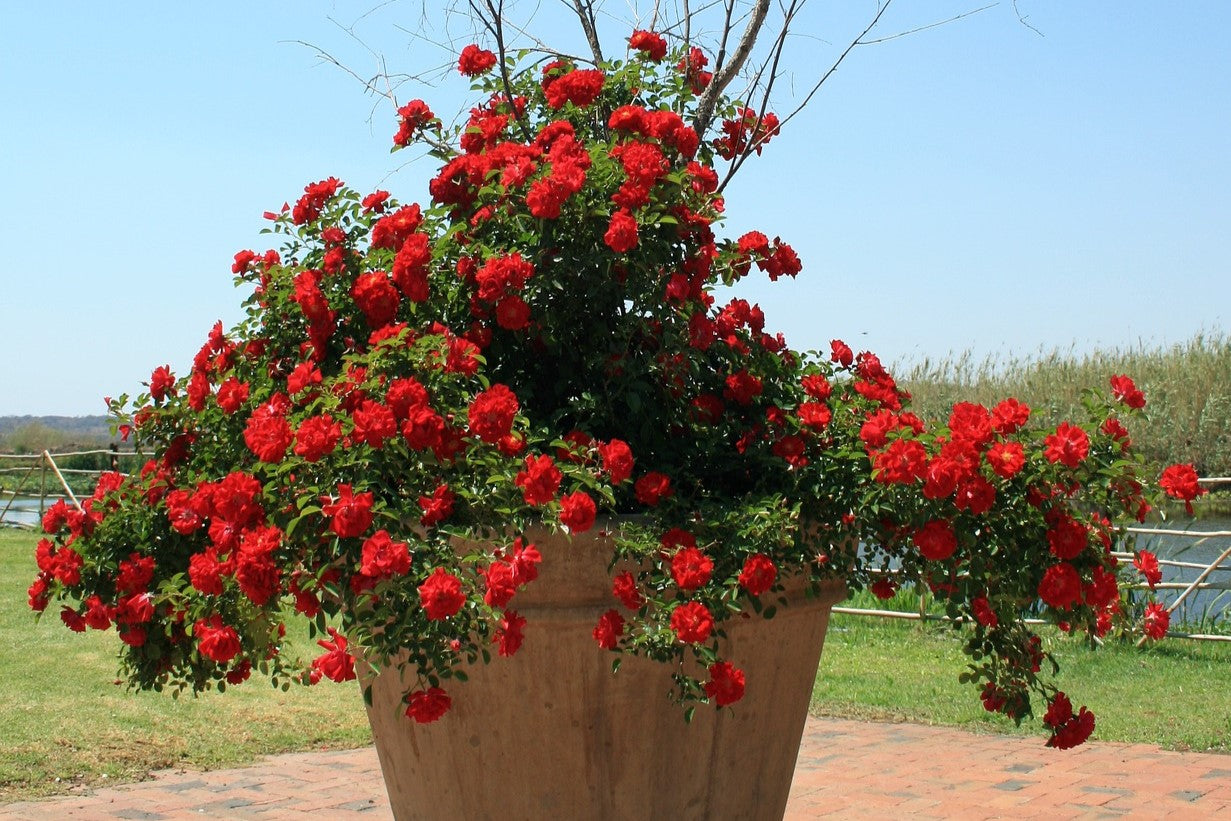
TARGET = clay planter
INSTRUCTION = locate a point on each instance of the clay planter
(552, 733)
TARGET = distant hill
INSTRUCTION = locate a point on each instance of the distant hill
(84, 425)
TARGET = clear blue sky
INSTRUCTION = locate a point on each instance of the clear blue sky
(974, 186)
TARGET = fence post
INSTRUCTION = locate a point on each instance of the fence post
(42, 484)
(115, 456)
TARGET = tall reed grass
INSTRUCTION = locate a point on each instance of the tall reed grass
(1187, 387)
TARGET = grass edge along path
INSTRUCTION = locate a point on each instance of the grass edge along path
(67, 725)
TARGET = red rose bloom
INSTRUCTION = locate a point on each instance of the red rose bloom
(267, 433)
(1068, 730)
(1181, 482)
(1069, 445)
(1061, 586)
(692, 622)
(336, 664)
(1147, 564)
(648, 43)
(758, 574)
(1123, 389)
(652, 488)
(441, 594)
(841, 353)
(425, 706)
(491, 413)
(1066, 537)
(580, 87)
(317, 437)
(1009, 416)
(621, 235)
(577, 512)
(624, 588)
(215, 640)
(609, 629)
(726, 684)
(617, 460)
(376, 297)
(473, 60)
(936, 540)
(540, 480)
(1006, 458)
(1156, 621)
(350, 514)
(438, 506)
(983, 612)
(509, 633)
(691, 568)
(383, 558)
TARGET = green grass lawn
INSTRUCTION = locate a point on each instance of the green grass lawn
(66, 723)
(1173, 693)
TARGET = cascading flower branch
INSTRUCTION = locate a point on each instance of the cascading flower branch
(542, 344)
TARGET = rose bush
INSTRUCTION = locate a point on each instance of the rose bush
(545, 343)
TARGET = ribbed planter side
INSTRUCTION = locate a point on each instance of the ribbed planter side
(552, 733)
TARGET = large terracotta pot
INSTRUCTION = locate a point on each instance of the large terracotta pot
(552, 733)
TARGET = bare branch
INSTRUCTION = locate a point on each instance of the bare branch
(723, 77)
(817, 87)
(1022, 19)
(931, 25)
(585, 13)
(494, 23)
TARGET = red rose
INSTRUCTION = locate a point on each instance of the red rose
(1061, 586)
(1068, 730)
(438, 506)
(317, 437)
(540, 480)
(609, 629)
(617, 460)
(577, 512)
(624, 588)
(350, 514)
(425, 706)
(692, 622)
(621, 235)
(691, 568)
(652, 488)
(473, 60)
(648, 43)
(1156, 621)
(1181, 482)
(726, 684)
(383, 558)
(215, 640)
(509, 633)
(758, 574)
(580, 87)
(501, 584)
(336, 664)
(841, 353)
(1006, 458)
(983, 612)
(376, 297)
(267, 433)
(902, 462)
(441, 594)
(1147, 564)
(1066, 537)
(936, 540)
(1069, 445)
(1123, 389)
(491, 413)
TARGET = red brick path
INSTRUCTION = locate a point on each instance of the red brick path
(846, 769)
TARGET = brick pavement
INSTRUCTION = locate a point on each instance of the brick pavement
(846, 769)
